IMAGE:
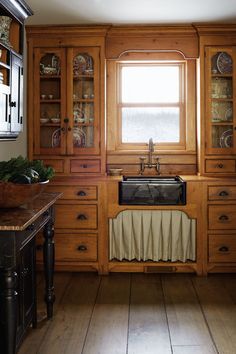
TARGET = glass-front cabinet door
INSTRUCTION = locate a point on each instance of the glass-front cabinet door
(220, 102)
(66, 101)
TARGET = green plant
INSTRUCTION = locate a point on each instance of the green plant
(22, 170)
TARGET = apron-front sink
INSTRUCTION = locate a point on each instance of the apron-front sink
(153, 190)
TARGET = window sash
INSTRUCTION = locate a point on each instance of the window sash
(181, 144)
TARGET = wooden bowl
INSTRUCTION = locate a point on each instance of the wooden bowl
(13, 195)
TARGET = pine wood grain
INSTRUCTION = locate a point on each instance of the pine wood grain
(148, 328)
(220, 311)
(186, 321)
(70, 325)
(107, 333)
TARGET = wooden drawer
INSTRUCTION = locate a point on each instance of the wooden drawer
(220, 166)
(76, 216)
(58, 165)
(222, 217)
(222, 248)
(75, 192)
(85, 166)
(222, 193)
(71, 247)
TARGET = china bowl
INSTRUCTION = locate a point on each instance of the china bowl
(13, 195)
(44, 120)
(55, 120)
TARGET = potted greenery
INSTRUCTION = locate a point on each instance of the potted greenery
(22, 180)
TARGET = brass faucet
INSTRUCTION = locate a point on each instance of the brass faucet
(149, 164)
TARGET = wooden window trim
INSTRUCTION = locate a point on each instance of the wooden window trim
(188, 125)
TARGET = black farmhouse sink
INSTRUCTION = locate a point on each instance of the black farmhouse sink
(154, 190)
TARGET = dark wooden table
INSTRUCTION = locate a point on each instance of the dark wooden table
(18, 229)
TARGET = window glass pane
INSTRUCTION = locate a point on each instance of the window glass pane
(144, 84)
(140, 124)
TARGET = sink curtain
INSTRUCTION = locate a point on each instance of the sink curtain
(154, 235)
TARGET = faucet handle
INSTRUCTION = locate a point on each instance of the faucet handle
(142, 158)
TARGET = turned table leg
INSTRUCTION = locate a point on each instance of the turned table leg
(8, 310)
(49, 257)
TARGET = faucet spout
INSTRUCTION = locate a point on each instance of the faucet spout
(149, 163)
(151, 150)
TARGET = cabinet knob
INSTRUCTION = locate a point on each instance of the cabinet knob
(84, 166)
(223, 217)
(220, 165)
(66, 120)
(82, 248)
(82, 217)
(224, 249)
(223, 194)
(81, 193)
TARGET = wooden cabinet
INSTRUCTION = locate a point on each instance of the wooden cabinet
(217, 118)
(77, 227)
(221, 227)
(11, 67)
(66, 102)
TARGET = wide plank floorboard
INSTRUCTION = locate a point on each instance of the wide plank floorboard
(219, 310)
(107, 333)
(186, 321)
(136, 314)
(148, 328)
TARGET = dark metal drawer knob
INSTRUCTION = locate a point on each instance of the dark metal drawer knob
(220, 165)
(223, 194)
(82, 248)
(84, 166)
(223, 217)
(81, 193)
(224, 249)
(82, 217)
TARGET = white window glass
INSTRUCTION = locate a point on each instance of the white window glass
(150, 102)
(160, 123)
(145, 84)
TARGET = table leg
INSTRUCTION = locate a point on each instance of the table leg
(8, 311)
(48, 258)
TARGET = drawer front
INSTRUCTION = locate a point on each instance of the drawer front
(76, 216)
(75, 192)
(222, 193)
(58, 165)
(222, 217)
(71, 247)
(222, 248)
(220, 166)
(85, 166)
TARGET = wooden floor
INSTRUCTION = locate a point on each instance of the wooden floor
(137, 314)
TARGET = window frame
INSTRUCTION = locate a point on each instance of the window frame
(180, 104)
(188, 125)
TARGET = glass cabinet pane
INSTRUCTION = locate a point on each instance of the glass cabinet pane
(220, 100)
(83, 100)
(50, 101)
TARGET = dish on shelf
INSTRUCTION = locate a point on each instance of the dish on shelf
(82, 64)
(55, 120)
(44, 120)
(224, 63)
(56, 138)
(229, 114)
(79, 137)
(226, 139)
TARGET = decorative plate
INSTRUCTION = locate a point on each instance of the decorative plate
(224, 63)
(79, 137)
(82, 63)
(56, 138)
(226, 139)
